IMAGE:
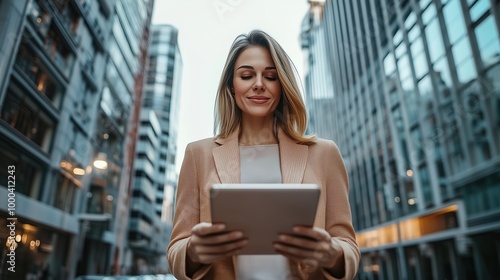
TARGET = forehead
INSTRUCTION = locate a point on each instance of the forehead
(255, 56)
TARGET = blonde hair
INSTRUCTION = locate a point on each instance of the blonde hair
(290, 115)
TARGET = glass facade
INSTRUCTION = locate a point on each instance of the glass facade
(65, 112)
(414, 109)
(155, 176)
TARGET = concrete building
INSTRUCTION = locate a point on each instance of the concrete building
(105, 248)
(68, 74)
(415, 110)
(155, 179)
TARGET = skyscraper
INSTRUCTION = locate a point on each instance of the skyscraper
(415, 109)
(68, 76)
(52, 70)
(155, 178)
(105, 248)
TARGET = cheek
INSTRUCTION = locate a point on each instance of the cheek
(241, 87)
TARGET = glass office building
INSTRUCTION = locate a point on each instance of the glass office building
(155, 177)
(415, 110)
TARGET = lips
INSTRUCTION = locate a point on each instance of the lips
(258, 99)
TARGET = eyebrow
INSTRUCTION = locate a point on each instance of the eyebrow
(251, 67)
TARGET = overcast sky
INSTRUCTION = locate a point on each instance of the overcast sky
(206, 30)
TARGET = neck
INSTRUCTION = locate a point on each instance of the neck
(257, 132)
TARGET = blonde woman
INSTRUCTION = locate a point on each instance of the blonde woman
(260, 113)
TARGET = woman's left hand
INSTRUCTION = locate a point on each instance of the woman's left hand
(313, 245)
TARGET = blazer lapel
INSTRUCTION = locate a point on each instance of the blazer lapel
(227, 159)
(293, 159)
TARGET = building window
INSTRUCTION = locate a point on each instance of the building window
(454, 18)
(434, 40)
(29, 175)
(487, 41)
(478, 9)
(423, 173)
(483, 195)
(464, 62)
(40, 18)
(475, 117)
(65, 193)
(442, 71)
(492, 88)
(22, 114)
(31, 67)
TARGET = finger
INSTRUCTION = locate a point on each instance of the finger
(312, 232)
(217, 238)
(203, 229)
(293, 252)
(298, 241)
(221, 248)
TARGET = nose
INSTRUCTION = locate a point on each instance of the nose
(258, 84)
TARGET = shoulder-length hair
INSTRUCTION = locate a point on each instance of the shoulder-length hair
(290, 115)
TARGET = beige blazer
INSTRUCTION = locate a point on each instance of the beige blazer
(214, 160)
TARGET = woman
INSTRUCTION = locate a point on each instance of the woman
(261, 121)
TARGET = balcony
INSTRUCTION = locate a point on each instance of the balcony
(140, 225)
(95, 29)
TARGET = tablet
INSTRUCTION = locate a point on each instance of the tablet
(262, 211)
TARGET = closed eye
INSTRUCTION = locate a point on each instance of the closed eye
(246, 77)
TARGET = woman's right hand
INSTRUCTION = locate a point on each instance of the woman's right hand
(210, 242)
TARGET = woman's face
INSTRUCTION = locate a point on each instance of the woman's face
(257, 90)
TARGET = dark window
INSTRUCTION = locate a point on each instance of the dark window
(64, 194)
(22, 114)
(28, 172)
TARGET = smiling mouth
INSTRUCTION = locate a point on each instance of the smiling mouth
(258, 99)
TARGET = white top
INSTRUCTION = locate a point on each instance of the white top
(261, 164)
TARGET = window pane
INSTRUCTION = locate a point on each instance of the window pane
(429, 14)
(413, 33)
(479, 9)
(420, 65)
(435, 40)
(389, 64)
(443, 72)
(417, 47)
(24, 116)
(487, 40)
(423, 4)
(461, 50)
(455, 24)
(410, 20)
(466, 71)
(404, 67)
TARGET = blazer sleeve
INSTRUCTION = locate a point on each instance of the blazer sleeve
(187, 215)
(338, 211)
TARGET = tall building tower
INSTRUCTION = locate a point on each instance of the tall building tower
(416, 115)
(155, 179)
(69, 72)
(52, 71)
(104, 249)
